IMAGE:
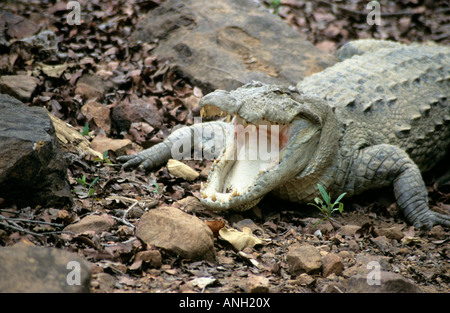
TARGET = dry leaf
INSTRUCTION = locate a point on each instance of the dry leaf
(101, 143)
(179, 169)
(202, 282)
(240, 239)
(55, 71)
(152, 257)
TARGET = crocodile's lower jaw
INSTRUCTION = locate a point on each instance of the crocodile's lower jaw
(234, 180)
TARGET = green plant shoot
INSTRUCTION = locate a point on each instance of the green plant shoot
(325, 206)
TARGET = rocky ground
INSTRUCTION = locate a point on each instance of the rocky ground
(274, 247)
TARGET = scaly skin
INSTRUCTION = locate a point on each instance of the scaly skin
(373, 120)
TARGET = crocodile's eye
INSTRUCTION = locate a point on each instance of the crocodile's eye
(278, 91)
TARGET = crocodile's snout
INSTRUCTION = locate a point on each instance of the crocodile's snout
(251, 164)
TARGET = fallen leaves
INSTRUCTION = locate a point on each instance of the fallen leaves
(330, 24)
(215, 227)
(91, 74)
(55, 71)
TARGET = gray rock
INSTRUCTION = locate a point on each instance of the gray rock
(26, 268)
(303, 259)
(225, 44)
(388, 283)
(172, 229)
(32, 167)
(365, 263)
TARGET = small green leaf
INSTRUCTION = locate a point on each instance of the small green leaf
(158, 190)
(85, 130)
(341, 207)
(340, 197)
(93, 182)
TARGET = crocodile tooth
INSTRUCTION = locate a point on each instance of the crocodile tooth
(367, 106)
(438, 123)
(202, 186)
(446, 118)
(424, 108)
(402, 130)
(213, 197)
(235, 193)
(204, 196)
(415, 116)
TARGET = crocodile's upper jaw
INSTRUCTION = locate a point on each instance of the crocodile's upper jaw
(239, 180)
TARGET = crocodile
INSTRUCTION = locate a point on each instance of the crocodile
(378, 118)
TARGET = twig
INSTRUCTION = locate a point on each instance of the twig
(30, 221)
(124, 218)
(123, 221)
(21, 229)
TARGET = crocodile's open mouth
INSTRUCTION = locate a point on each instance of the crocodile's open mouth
(272, 136)
(252, 150)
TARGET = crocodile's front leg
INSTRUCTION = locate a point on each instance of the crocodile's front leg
(205, 137)
(383, 165)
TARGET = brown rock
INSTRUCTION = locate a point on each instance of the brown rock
(257, 284)
(17, 26)
(88, 92)
(438, 232)
(189, 204)
(96, 223)
(133, 110)
(25, 268)
(152, 258)
(303, 280)
(304, 259)
(93, 87)
(381, 242)
(98, 112)
(348, 230)
(171, 229)
(332, 264)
